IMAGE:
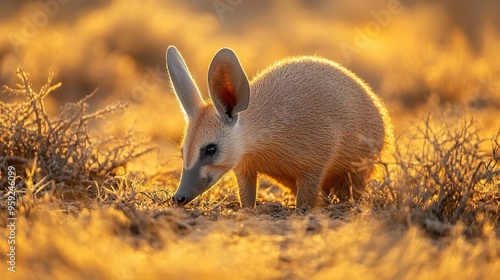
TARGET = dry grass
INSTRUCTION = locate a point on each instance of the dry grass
(59, 154)
(434, 213)
(443, 175)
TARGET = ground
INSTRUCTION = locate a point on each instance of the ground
(342, 241)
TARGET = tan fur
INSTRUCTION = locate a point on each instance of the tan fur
(310, 124)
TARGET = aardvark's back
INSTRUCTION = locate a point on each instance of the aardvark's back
(310, 119)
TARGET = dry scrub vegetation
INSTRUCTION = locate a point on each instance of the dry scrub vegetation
(433, 213)
(444, 173)
(58, 153)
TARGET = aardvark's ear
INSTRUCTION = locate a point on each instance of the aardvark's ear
(184, 86)
(228, 84)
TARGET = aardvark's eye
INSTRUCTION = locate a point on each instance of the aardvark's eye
(210, 150)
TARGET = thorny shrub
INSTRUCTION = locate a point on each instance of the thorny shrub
(444, 173)
(59, 154)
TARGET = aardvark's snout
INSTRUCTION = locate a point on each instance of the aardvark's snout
(190, 186)
(180, 200)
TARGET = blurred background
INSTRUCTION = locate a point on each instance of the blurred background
(417, 55)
